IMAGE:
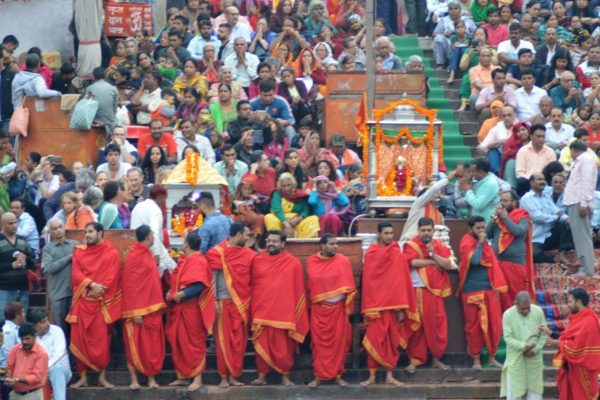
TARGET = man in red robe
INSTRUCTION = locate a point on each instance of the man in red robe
(143, 307)
(578, 357)
(388, 304)
(332, 291)
(230, 262)
(279, 313)
(96, 304)
(429, 261)
(510, 230)
(190, 314)
(481, 281)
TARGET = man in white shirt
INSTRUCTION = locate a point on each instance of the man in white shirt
(148, 93)
(528, 97)
(242, 64)
(188, 137)
(508, 51)
(558, 135)
(27, 227)
(226, 42)
(495, 139)
(113, 167)
(239, 29)
(148, 212)
(579, 200)
(52, 339)
(196, 46)
(14, 316)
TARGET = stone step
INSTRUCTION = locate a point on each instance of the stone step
(471, 390)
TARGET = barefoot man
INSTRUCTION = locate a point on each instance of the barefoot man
(143, 307)
(481, 281)
(190, 314)
(429, 260)
(388, 304)
(279, 314)
(332, 291)
(230, 262)
(96, 304)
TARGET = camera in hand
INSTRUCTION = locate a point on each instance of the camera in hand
(475, 43)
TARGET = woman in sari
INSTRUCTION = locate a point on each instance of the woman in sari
(226, 76)
(329, 205)
(245, 207)
(310, 153)
(308, 69)
(488, 124)
(115, 199)
(108, 213)
(224, 110)
(209, 65)
(190, 78)
(119, 56)
(519, 137)
(290, 211)
(191, 106)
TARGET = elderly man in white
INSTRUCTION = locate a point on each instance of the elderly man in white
(495, 139)
(242, 63)
(558, 134)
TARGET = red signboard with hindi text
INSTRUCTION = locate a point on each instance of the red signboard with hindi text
(122, 19)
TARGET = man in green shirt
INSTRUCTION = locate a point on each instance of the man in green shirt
(484, 195)
(523, 371)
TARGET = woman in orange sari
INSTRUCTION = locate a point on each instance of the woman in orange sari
(84, 214)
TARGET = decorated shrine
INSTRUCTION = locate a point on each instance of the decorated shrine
(403, 150)
(192, 176)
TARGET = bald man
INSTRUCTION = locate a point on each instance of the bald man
(523, 371)
(16, 257)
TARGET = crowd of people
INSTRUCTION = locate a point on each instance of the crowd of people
(243, 88)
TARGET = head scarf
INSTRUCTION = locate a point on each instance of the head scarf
(513, 144)
(299, 67)
(329, 58)
(329, 196)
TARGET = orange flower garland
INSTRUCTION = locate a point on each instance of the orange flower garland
(191, 168)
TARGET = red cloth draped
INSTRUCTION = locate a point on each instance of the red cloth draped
(142, 297)
(468, 243)
(232, 322)
(331, 331)
(189, 322)
(505, 240)
(432, 335)
(90, 318)
(512, 145)
(517, 280)
(386, 286)
(579, 349)
(436, 279)
(278, 303)
(483, 321)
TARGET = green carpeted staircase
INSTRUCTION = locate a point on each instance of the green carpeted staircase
(455, 148)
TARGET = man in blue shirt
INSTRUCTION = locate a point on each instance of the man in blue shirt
(550, 229)
(484, 196)
(215, 227)
(275, 106)
(196, 46)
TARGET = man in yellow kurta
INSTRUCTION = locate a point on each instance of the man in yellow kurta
(523, 370)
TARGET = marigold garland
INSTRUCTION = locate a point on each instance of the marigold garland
(191, 168)
(427, 139)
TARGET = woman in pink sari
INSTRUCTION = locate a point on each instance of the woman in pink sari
(329, 205)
